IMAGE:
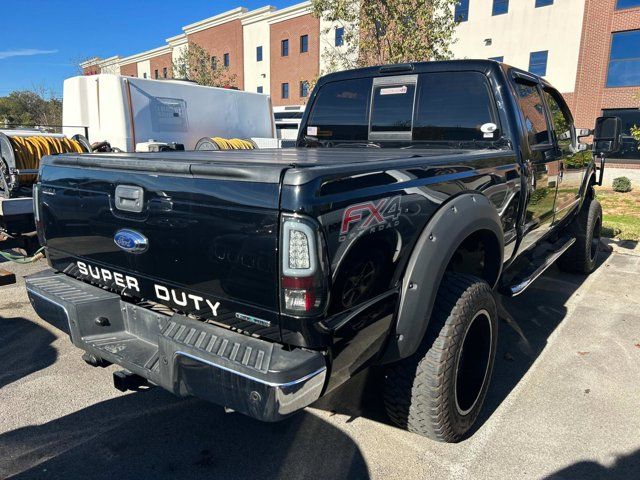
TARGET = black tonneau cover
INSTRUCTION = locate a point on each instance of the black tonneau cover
(241, 165)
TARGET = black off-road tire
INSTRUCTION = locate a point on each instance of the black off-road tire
(426, 393)
(582, 257)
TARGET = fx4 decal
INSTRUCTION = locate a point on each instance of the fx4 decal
(372, 216)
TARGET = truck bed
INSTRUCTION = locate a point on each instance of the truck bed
(302, 163)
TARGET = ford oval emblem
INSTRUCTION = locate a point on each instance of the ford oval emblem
(131, 241)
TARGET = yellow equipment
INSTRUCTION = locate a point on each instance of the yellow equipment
(21, 152)
(219, 143)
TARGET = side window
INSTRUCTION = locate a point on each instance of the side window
(454, 107)
(561, 121)
(533, 111)
(340, 111)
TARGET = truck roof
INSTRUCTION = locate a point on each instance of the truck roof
(414, 67)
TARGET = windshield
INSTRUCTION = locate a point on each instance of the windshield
(429, 110)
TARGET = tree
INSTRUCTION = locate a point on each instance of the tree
(387, 31)
(195, 64)
(31, 107)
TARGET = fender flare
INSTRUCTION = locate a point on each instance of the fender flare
(444, 233)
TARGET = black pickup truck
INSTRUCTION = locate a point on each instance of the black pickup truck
(261, 280)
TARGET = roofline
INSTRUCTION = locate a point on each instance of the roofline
(291, 12)
(176, 40)
(258, 15)
(146, 55)
(216, 20)
(91, 62)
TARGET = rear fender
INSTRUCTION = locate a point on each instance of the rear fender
(448, 228)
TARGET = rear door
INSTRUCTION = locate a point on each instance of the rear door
(572, 163)
(541, 161)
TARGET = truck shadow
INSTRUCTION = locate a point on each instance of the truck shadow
(25, 347)
(152, 434)
(624, 468)
(528, 321)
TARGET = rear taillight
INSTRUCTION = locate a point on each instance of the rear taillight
(303, 289)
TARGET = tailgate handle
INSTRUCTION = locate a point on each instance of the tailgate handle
(129, 198)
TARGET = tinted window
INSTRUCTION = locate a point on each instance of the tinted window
(497, 59)
(339, 36)
(392, 107)
(340, 111)
(259, 54)
(304, 88)
(624, 63)
(500, 7)
(562, 123)
(533, 111)
(226, 59)
(287, 115)
(627, 4)
(452, 107)
(304, 43)
(538, 63)
(164, 72)
(543, 3)
(284, 48)
(285, 90)
(260, 89)
(462, 11)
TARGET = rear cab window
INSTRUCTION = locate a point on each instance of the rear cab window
(454, 109)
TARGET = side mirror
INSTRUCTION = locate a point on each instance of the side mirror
(606, 135)
(583, 132)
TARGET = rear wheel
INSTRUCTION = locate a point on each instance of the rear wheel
(582, 257)
(439, 391)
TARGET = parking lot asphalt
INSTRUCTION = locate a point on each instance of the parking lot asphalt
(564, 404)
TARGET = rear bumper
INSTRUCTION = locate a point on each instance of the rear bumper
(182, 355)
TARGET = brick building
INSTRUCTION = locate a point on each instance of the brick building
(588, 49)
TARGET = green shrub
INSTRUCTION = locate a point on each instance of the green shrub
(622, 184)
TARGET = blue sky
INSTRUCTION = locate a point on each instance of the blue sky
(42, 41)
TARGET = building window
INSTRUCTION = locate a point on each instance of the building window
(144, 75)
(284, 47)
(497, 59)
(543, 3)
(304, 43)
(339, 41)
(260, 89)
(155, 73)
(624, 62)
(164, 72)
(462, 11)
(500, 7)
(622, 4)
(304, 89)
(226, 60)
(259, 53)
(214, 62)
(285, 90)
(538, 63)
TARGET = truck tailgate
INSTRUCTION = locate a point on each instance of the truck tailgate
(209, 231)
